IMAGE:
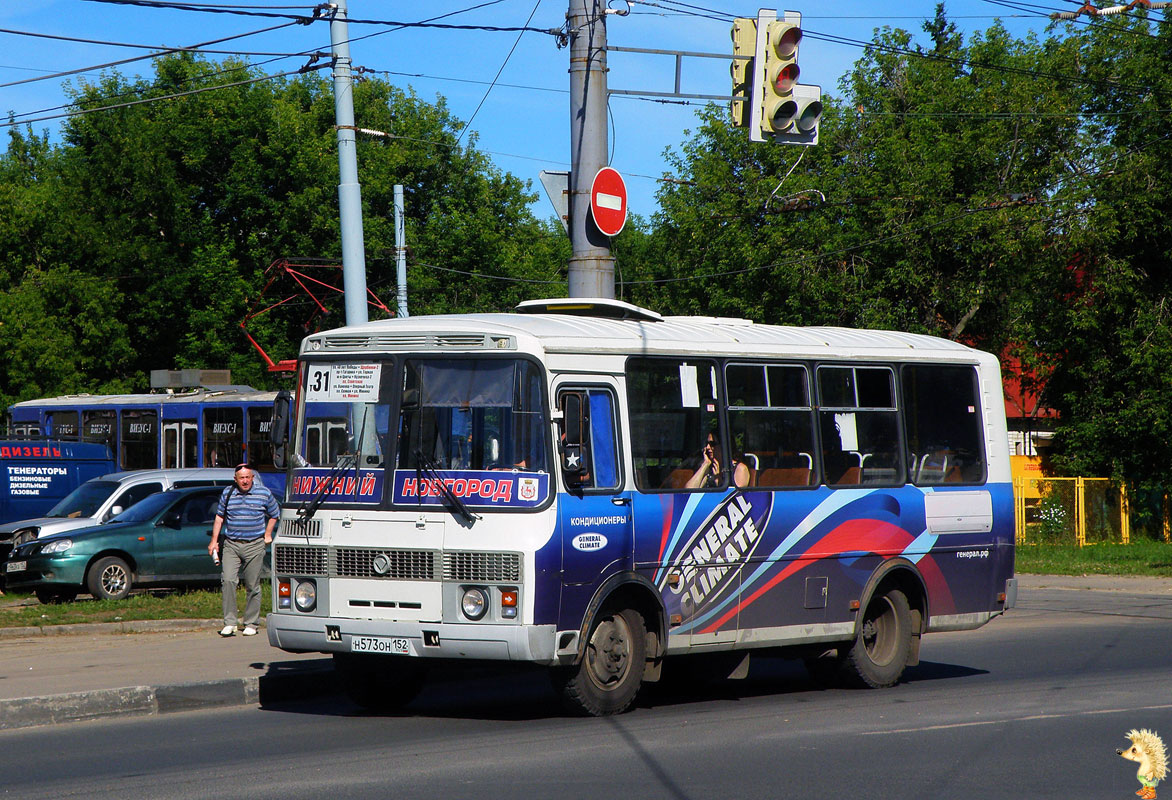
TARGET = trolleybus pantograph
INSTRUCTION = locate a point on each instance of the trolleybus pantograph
(593, 487)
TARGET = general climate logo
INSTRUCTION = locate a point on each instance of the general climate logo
(704, 569)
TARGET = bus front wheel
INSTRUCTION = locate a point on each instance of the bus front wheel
(610, 673)
(379, 683)
(883, 645)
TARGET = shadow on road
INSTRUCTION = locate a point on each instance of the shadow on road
(510, 692)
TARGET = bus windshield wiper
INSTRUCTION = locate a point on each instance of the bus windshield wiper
(308, 507)
(426, 466)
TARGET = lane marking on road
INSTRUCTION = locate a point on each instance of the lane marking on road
(1030, 718)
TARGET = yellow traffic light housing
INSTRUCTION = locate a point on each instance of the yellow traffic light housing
(744, 36)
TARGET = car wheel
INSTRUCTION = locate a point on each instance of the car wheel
(109, 579)
(610, 673)
(53, 596)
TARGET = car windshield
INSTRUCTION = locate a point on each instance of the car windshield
(146, 508)
(85, 500)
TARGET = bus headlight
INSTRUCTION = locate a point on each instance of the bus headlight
(306, 596)
(474, 603)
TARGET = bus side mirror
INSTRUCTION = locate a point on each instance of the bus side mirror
(575, 433)
(279, 432)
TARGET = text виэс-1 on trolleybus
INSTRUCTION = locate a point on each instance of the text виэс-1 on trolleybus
(592, 487)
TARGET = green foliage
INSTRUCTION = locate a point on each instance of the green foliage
(141, 241)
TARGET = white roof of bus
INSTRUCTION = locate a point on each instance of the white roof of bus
(573, 333)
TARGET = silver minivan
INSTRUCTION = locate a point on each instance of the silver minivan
(100, 499)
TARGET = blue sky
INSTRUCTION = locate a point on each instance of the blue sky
(523, 122)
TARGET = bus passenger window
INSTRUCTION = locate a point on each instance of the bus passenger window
(770, 419)
(673, 407)
(943, 424)
(859, 425)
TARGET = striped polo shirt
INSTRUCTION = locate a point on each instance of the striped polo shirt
(246, 514)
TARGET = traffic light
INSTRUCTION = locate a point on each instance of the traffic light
(744, 36)
(786, 111)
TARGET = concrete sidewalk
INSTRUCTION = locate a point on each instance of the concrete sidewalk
(77, 672)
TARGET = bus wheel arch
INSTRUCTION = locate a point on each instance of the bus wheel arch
(888, 627)
(620, 645)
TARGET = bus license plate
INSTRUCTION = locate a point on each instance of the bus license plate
(17, 566)
(380, 644)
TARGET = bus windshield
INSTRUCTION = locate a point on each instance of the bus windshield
(464, 414)
(455, 415)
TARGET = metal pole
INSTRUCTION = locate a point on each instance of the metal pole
(591, 266)
(400, 250)
(349, 192)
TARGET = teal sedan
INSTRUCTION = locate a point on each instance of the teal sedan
(160, 541)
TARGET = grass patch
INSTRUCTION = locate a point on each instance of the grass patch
(18, 610)
(1142, 557)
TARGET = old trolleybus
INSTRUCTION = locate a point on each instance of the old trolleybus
(590, 486)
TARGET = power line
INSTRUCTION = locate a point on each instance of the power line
(165, 51)
(320, 15)
(488, 91)
(83, 111)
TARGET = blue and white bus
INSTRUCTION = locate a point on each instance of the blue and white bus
(593, 487)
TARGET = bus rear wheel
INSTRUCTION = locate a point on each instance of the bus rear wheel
(883, 645)
(610, 673)
(379, 683)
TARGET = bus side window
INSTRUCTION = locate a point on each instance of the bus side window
(943, 424)
(592, 411)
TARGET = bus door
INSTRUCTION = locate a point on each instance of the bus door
(594, 508)
(180, 444)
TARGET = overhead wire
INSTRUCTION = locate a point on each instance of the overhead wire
(508, 56)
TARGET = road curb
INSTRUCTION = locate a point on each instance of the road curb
(292, 683)
(128, 626)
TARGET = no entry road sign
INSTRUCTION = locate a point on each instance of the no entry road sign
(608, 201)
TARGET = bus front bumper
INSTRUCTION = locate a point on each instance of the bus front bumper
(299, 633)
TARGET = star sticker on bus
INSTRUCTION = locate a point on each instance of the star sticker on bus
(572, 459)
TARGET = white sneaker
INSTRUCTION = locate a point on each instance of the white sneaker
(228, 630)
(250, 630)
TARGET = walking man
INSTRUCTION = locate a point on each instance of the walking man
(247, 515)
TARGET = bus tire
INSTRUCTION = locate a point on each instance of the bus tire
(610, 673)
(883, 644)
(379, 683)
(110, 578)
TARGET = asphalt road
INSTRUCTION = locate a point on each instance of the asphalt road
(1032, 705)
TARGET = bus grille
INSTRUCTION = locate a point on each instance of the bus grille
(482, 567)
(296, 560)
(402, 565)
(301, 527)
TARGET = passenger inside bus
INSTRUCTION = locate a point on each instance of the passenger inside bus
(709, 472)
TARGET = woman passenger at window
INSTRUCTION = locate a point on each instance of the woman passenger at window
(709, 472)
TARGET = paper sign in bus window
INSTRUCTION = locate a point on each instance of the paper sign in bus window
(847, 432)
(345, 382)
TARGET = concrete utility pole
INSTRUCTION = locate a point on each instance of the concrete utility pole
(591, 266)
(400, 251)
(349, 191)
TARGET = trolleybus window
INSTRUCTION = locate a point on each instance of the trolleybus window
(859, 425)
(223, 436)
(943, 424)
(770, 420)
(98, 426)
(63, 425)
(140, 439)
(260, 447)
